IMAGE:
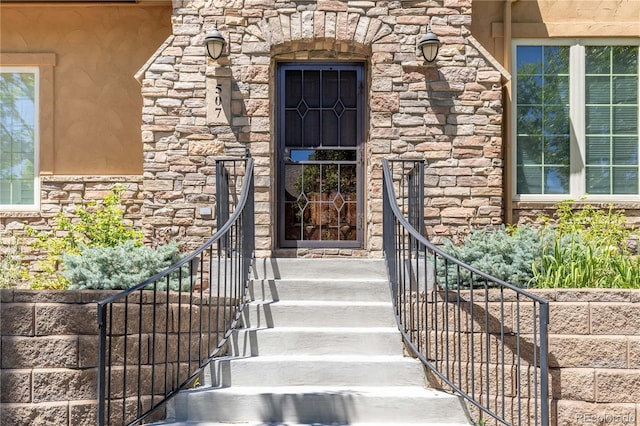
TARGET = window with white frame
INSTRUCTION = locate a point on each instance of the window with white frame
(18, 137)
(576, 120)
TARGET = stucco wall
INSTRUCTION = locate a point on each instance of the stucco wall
(96, 117)
(552, 18)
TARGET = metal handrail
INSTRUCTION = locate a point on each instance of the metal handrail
(156, 337)
(482, 337)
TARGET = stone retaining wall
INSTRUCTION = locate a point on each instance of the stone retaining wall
(48, 342)
(594, 356)
(594, 353)
(49, 347)
(49, 357)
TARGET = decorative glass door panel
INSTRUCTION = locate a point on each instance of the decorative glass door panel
(320, 140)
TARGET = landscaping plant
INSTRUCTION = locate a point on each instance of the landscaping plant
(587, 249)
(11, 272)
(120, 267)
(508, 253)
(583, 247)
(99, 224)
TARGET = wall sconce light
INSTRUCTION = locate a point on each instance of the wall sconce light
(215, 42)
(429, 45)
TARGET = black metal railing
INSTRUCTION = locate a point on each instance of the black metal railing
(483, 338)
(155, 338)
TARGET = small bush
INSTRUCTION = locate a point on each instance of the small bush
(120, 267)
(100, 224)
(591, 226)
(11, 272)
(588, 249)
(580, 248)
(505, 253)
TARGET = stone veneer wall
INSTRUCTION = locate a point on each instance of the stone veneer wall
(449, 113)
(528, 212)
(49, 353)
(594, 354)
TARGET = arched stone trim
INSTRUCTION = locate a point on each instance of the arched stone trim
(320, 49)
(341, 32)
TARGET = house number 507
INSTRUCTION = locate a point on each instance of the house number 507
(218, 101)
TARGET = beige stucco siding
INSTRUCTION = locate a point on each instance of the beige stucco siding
(553, 18)
(96, 99)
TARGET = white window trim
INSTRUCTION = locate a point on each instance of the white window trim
(36, 163)
(577, 180)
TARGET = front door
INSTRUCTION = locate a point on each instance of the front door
(320, 135)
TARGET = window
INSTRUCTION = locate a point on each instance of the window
(576, 120)
(19, 136)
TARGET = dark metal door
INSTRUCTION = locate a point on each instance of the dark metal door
(320, 135)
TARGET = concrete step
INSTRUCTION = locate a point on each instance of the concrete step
(343, 269)
(356, 290)
(330, 370)
(260, 423)
(316, 341)
(320, 346)
(320, 405)
(319, 314)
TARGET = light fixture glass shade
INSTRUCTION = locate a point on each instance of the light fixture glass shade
(429, 46)
(215, 44)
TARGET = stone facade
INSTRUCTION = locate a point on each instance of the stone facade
(448, 113)
(530, 212)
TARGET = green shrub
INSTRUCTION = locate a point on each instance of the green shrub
(580, 248)
(11, 271)
(120, 267)
(588, 249)
(595, 227)
(505, 253)
(100, 224)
